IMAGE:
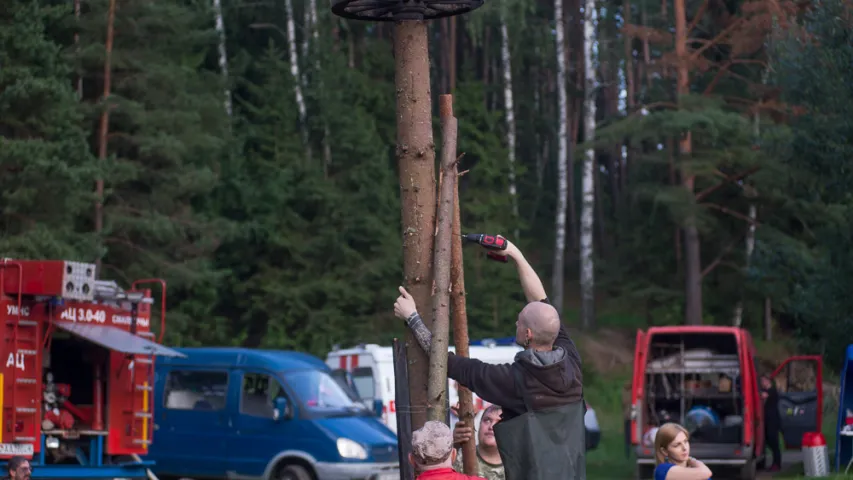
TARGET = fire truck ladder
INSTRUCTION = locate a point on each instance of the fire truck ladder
(109, 291)
(26, 342)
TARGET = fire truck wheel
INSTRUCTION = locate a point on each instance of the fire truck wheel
(293, 472)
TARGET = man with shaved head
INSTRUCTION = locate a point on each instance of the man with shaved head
(541, 432)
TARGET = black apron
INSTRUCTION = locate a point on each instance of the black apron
(545, 444)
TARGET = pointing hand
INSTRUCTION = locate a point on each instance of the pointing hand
(404, 307)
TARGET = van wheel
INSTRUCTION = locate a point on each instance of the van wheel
(643, 472)
(293, 472)
(748, 471)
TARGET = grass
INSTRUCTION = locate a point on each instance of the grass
(604, 394)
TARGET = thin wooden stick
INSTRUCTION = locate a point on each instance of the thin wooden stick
(437, 385)
(460, 329)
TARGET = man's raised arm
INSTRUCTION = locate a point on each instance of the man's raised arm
(534, 291)
(532, 286)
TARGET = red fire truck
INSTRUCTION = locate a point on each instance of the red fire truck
(77, 369)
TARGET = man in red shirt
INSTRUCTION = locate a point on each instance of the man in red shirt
(433, 453)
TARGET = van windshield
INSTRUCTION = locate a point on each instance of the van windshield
(320, 392)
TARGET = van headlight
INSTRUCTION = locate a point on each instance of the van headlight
(350, 449)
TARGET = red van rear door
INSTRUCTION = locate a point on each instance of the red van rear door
(637, 384)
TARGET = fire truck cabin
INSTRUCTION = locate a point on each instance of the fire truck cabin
(77, 369)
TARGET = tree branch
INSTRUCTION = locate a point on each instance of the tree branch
(648, 107)
(729, 179)
(711, 266)
(732, 213)
(725, 68)
(699, 14)
(695, 54)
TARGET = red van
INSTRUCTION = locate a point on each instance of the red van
(705, 378)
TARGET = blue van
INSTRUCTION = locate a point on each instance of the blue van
(260, 414)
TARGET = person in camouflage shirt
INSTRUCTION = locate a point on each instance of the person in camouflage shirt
(489, 463)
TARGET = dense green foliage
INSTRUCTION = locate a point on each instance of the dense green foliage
(277, 232)
(804, 256)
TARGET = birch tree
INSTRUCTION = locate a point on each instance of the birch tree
(506, 60)
(311, 34)
(294, 71)
(223, 53)
(562, 159)
(587, 273)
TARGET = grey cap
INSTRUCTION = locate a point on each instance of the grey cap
(432, 443)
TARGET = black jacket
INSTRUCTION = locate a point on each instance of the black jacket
(552, 378)
(772, 418)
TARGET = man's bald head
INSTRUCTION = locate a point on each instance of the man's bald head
(542, 320)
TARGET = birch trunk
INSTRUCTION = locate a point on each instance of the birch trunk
(631, 95)
(562, 159)
(312, 32)
(437, 386)
(294, 72)
(416, 158)
(751, 193)
(104, 127)
(315, 33)
(506, 59)
(587, 270)
(223, 53)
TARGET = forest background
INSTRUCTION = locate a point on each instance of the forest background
(245, 152)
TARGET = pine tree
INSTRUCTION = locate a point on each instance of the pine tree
(166, 136)
(804, 258)
(323, 241)
(48, 171)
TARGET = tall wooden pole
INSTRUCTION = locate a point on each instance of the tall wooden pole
(460, 329)
(416, 159)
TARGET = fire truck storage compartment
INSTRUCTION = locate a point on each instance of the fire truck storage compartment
(71, 361)
(694, 379)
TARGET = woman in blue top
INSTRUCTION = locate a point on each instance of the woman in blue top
(672, 456)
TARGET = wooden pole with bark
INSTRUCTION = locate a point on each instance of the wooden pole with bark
(460, 328)
(437, 386)
(416, 160)
(104, 127)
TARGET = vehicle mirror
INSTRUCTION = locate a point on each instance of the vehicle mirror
(280, 411)
(377, 407)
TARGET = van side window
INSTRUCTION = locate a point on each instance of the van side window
(362, 377)
(258, 395)
(797, 377)
(196, 390)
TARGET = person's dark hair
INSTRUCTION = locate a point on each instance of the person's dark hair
(14, 463)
